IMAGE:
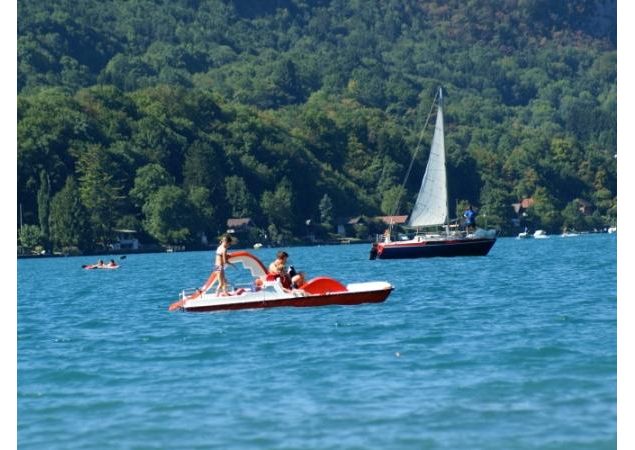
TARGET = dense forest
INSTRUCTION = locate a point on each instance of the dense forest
(170, 116)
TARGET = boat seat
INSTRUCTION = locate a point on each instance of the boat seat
(275, 284)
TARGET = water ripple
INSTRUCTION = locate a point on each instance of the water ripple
(515, 350)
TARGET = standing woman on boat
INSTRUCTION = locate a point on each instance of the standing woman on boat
(221, 262)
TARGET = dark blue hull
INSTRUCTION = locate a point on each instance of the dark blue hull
(433, 248)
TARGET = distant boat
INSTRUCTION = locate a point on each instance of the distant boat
(612, 230)
(566, 233)
(431, 210)
(540, 234)
(524, 234)
(102, 266)
(257, 245)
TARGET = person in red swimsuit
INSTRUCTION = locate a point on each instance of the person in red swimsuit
(277, 270)
(289, 279)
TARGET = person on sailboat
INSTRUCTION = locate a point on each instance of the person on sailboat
(470, 219)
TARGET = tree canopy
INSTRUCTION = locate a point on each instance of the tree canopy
(177, 115)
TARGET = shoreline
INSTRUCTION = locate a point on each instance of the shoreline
(178, 249)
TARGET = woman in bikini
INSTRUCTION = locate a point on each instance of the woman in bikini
(220, 263)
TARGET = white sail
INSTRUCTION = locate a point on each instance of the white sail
(432, 202)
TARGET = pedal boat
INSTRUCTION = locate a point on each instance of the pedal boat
(263, 293)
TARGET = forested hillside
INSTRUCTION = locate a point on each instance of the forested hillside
(171, 116)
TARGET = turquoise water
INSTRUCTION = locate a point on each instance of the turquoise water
(514, 350)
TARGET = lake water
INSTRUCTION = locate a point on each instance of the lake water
(513, 350)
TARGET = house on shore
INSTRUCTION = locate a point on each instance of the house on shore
(520, 209)
(348, 227)
(238, 225)
(393, 220)
(126, 240)
(243, 229)
(520, 220)
(345, 226)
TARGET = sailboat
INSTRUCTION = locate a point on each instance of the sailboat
(431, 210)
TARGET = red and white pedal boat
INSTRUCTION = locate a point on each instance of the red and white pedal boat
(320, 291)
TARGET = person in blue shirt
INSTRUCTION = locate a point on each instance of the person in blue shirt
(470, 219)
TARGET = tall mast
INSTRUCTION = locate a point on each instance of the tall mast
(412, 160)
(445, 167)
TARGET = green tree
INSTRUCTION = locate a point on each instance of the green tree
(110, 112)
(68, 221)
(204, 166)
(322, 131)
(127, 72)
(207, 220)
(392, 198)
(278, 236)
(286, 82)
(129, 222)
(276, 206)
(169, 216)
(495, 210)
(326, 211)
(595, 221)
(31, 237)
(48, 122)
(43, 204)
(579, 113)
(329, 95)
(100, 192)
(160, 142)
(603, 200)
(149, 179)
(545, 210)
(242, 203)
(572, 217)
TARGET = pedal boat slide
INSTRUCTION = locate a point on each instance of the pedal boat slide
(263, 293)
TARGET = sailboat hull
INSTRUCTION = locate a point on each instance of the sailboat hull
(434, 248)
